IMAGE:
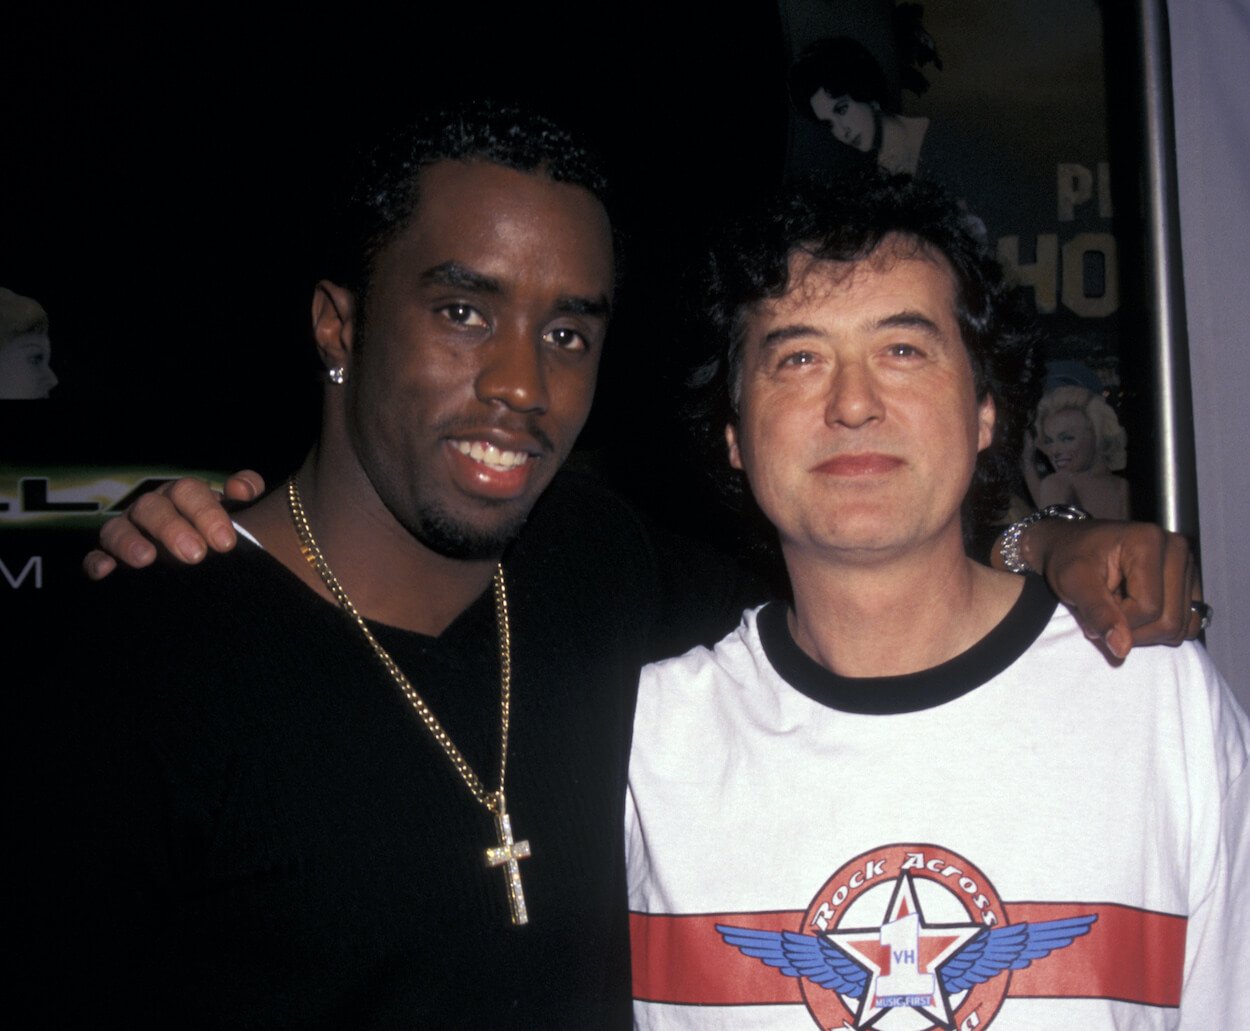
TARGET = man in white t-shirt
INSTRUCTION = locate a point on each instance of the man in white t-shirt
(915, 797)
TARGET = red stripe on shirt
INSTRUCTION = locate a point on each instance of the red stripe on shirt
(1130, 954)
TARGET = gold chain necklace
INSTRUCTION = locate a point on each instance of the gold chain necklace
(508, 852)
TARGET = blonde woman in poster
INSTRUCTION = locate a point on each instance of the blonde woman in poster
(1084, 443)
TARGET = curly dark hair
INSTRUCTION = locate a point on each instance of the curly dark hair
(847, 219)
(386, 187)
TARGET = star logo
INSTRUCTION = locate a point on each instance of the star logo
(906, 938)
(902, 956)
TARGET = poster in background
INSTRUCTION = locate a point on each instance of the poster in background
(1007, 106)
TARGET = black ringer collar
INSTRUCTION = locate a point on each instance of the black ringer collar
(910, 692)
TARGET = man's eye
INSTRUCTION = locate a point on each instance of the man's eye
(463, 315)
(567, 339)
(903, 351)
(798, 358)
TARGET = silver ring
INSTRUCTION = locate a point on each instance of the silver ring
(1203, 611)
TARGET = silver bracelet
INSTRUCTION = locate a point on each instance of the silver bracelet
(1010, 546)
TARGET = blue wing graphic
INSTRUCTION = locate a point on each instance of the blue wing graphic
(1012, 947)
(800, 955)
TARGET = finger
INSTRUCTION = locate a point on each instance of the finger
(1191, 616)
(157, 518)
(1106, 621)
(245, 485)
(1194, 627)
(98, 564)
(124, 543)
(197, 519)
(1197, 610)
(1099, 612)
(1158, 594)
(1180, 576)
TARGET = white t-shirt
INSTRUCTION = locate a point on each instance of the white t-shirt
(1025, 834)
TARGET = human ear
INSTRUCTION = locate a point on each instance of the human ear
(987, 416)
(333, 321)
(731, 441)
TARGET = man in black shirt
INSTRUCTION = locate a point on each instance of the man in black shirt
(249, 816)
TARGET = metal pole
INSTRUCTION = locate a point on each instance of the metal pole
(1176, 482)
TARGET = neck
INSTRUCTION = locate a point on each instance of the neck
(895, 616)
(899, 139)
(390, 576)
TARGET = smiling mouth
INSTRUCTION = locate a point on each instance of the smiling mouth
(491, 456)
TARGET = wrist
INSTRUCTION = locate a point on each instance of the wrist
(1022, 546)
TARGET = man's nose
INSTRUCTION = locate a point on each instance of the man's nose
(854, 398)
(514, 373)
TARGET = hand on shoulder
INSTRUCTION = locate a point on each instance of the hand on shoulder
(1128, 584)
(185, 519)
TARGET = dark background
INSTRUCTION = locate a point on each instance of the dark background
(166, 175)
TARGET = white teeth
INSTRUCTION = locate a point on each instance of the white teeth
(490, 455)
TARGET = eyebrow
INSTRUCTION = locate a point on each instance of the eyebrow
(599, 307)
(453, 273)
(909, 320)
(906, 319)
(779, 336)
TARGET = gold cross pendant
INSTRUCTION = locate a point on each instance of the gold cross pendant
(506, 855)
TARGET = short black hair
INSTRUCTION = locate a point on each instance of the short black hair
(848, 219)
(842, 67)
(386, 184)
